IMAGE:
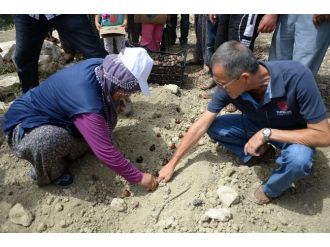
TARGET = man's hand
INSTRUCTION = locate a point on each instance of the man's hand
(149, 182)
(267, 24)
(255, 142)
(166, 173)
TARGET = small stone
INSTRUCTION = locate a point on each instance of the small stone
(172, 145)
(178, 109)
(175, 140)
(205, 218)
(135, 204)
(158, 134)
(228, 195)
(42, 227)
(118, 205)
(50, 200)
(174, 89)
(152, 147)
(63, 224)
(197, 202)
(59, 207)
(20, 216)
(167, 126)
(168, 191)
(169, 222)
(177, 121)
(139, 159)
(180, 135)
(220, 214)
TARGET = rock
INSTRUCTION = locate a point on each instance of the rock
(47, 65)
(175, 140)
(42, 227)
(63, 224)
(169, 222)
(197, 202)
(9, 83)
(51, 49)
(174, 89)
(59, 207)
(118, 205)
(135, 204)
(20, 216)
(228, 195)
(220, 214)
(9, 57)
(205, 219)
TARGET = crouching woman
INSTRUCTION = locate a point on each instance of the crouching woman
(74, 110)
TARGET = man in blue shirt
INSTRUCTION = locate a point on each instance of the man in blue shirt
(280, 104)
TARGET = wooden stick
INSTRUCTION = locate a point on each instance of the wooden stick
(168, 200)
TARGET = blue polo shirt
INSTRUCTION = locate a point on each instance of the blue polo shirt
(291, 100)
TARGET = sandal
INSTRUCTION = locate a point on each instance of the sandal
(207, 84)
(230, 108)
(259, 197)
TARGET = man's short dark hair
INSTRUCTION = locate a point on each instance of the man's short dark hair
(235, 58)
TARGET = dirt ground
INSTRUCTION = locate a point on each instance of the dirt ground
(85, 205)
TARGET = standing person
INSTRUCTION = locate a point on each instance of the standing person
(199, 55)
(280, 104)
(112, 40)
(151, 34)
(45, 126)
(184, 29)
(303, 38)
(133, 30)
(31, 31)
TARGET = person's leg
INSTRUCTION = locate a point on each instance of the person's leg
(184, 29)
(147, 35)
(295, 162)
(30, 34)
(158, 34)
(222, 30)
(243, 28)
(108, 44)
(120, 42)
(47, 148)
(281, 47)
(211, 32)
(173, 22)
(78, 31)
(233, 131)
(311, 42)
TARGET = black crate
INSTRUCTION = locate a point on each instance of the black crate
(168, 67)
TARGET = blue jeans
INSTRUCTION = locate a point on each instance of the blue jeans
(297, 38)
(30, 34)
(295, 161)
(211, 32)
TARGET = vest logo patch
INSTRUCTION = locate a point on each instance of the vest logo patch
(284, 108)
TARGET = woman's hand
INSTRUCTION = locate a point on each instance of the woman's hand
(149, 181)
(98, 26)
